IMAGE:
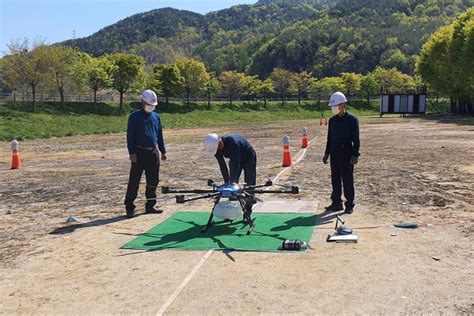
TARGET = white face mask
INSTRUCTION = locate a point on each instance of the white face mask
(149, 108)
(335, 109)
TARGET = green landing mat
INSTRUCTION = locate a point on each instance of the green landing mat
(183, 231)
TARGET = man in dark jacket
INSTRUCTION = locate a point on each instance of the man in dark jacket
(144, 139)
(240, 153)
(343, 147)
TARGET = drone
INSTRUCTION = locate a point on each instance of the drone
(230, 200)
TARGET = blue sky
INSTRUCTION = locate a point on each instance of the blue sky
(57, 20)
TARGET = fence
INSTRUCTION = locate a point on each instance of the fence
(42, 97)
(115, 97)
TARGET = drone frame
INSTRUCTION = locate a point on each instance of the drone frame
(245, 195)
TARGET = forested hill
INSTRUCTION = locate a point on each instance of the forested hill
(356, 36)
(224, 39)
(323, 36)
(139, 28)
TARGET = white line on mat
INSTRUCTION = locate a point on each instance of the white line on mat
(207, 254)
(183, 284)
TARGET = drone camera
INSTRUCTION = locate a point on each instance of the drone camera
(210, 182)
(165, 190)
(295, 190)
(180, 199)
(269, 183)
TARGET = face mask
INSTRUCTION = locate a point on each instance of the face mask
(335, 109)
(149, 108)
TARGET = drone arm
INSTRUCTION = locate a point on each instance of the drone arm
(166, 190)
(269, 183)
(180, 199)
(293, 190)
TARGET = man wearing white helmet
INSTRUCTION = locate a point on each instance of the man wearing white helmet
(241, 156)
(144, 139)
(343, 148)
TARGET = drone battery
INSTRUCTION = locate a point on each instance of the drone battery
(293, 244)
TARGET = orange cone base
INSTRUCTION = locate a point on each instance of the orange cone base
(16, 164)
(304, 143)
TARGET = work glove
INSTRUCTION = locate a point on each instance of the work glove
(354, 160)
(325, 159)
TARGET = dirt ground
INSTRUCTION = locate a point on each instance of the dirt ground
(411, 170)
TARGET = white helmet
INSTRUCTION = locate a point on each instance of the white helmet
(337, 98)
(211, 143)
(149, 97)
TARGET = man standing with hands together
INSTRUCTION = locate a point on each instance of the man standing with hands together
(343, 147)
(144, 139)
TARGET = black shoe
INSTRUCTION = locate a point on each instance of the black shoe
(334, 207)
(152, 210)
(130, 213)
(349, 209)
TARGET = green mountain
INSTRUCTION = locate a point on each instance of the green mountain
(356, 36)
(323, 36)
(139, 28)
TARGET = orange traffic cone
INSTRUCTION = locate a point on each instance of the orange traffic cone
(326, 121)
(16, 163)
(321, 122)
(304, 142)
(286, 152)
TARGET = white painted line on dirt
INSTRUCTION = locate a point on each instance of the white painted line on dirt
(299, 159)
(207, 254)
(184, 283)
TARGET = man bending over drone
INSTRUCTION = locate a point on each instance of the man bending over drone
(241, 156)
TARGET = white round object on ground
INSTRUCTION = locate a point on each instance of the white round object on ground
(228, 210)
(71, 219)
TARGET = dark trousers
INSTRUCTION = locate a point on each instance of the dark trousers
(149, 162)
(342, 170)
(250, 171)
(250, 177)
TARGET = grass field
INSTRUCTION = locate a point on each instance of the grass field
(54, 120)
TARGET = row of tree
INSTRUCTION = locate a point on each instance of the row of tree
(446, 62)
(65, 69)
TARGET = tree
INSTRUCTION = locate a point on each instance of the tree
(369, 86)
(324, 88)
(213, 87)
(168, 80)
(394, 81)
(302, 82)
(395, 58)
(250, 87)
(194, 75)
(126, 69)
(232, 84)
(62, 63)
(352, 82)
(22, 67)
(446, 61)
(95, 73)
(264, 88)
(281, 80)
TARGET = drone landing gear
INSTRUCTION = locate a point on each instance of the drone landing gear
(246, 203)
(249, 221)
(210, 222)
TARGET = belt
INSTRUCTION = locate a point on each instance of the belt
(145, 148)
(343, 145)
